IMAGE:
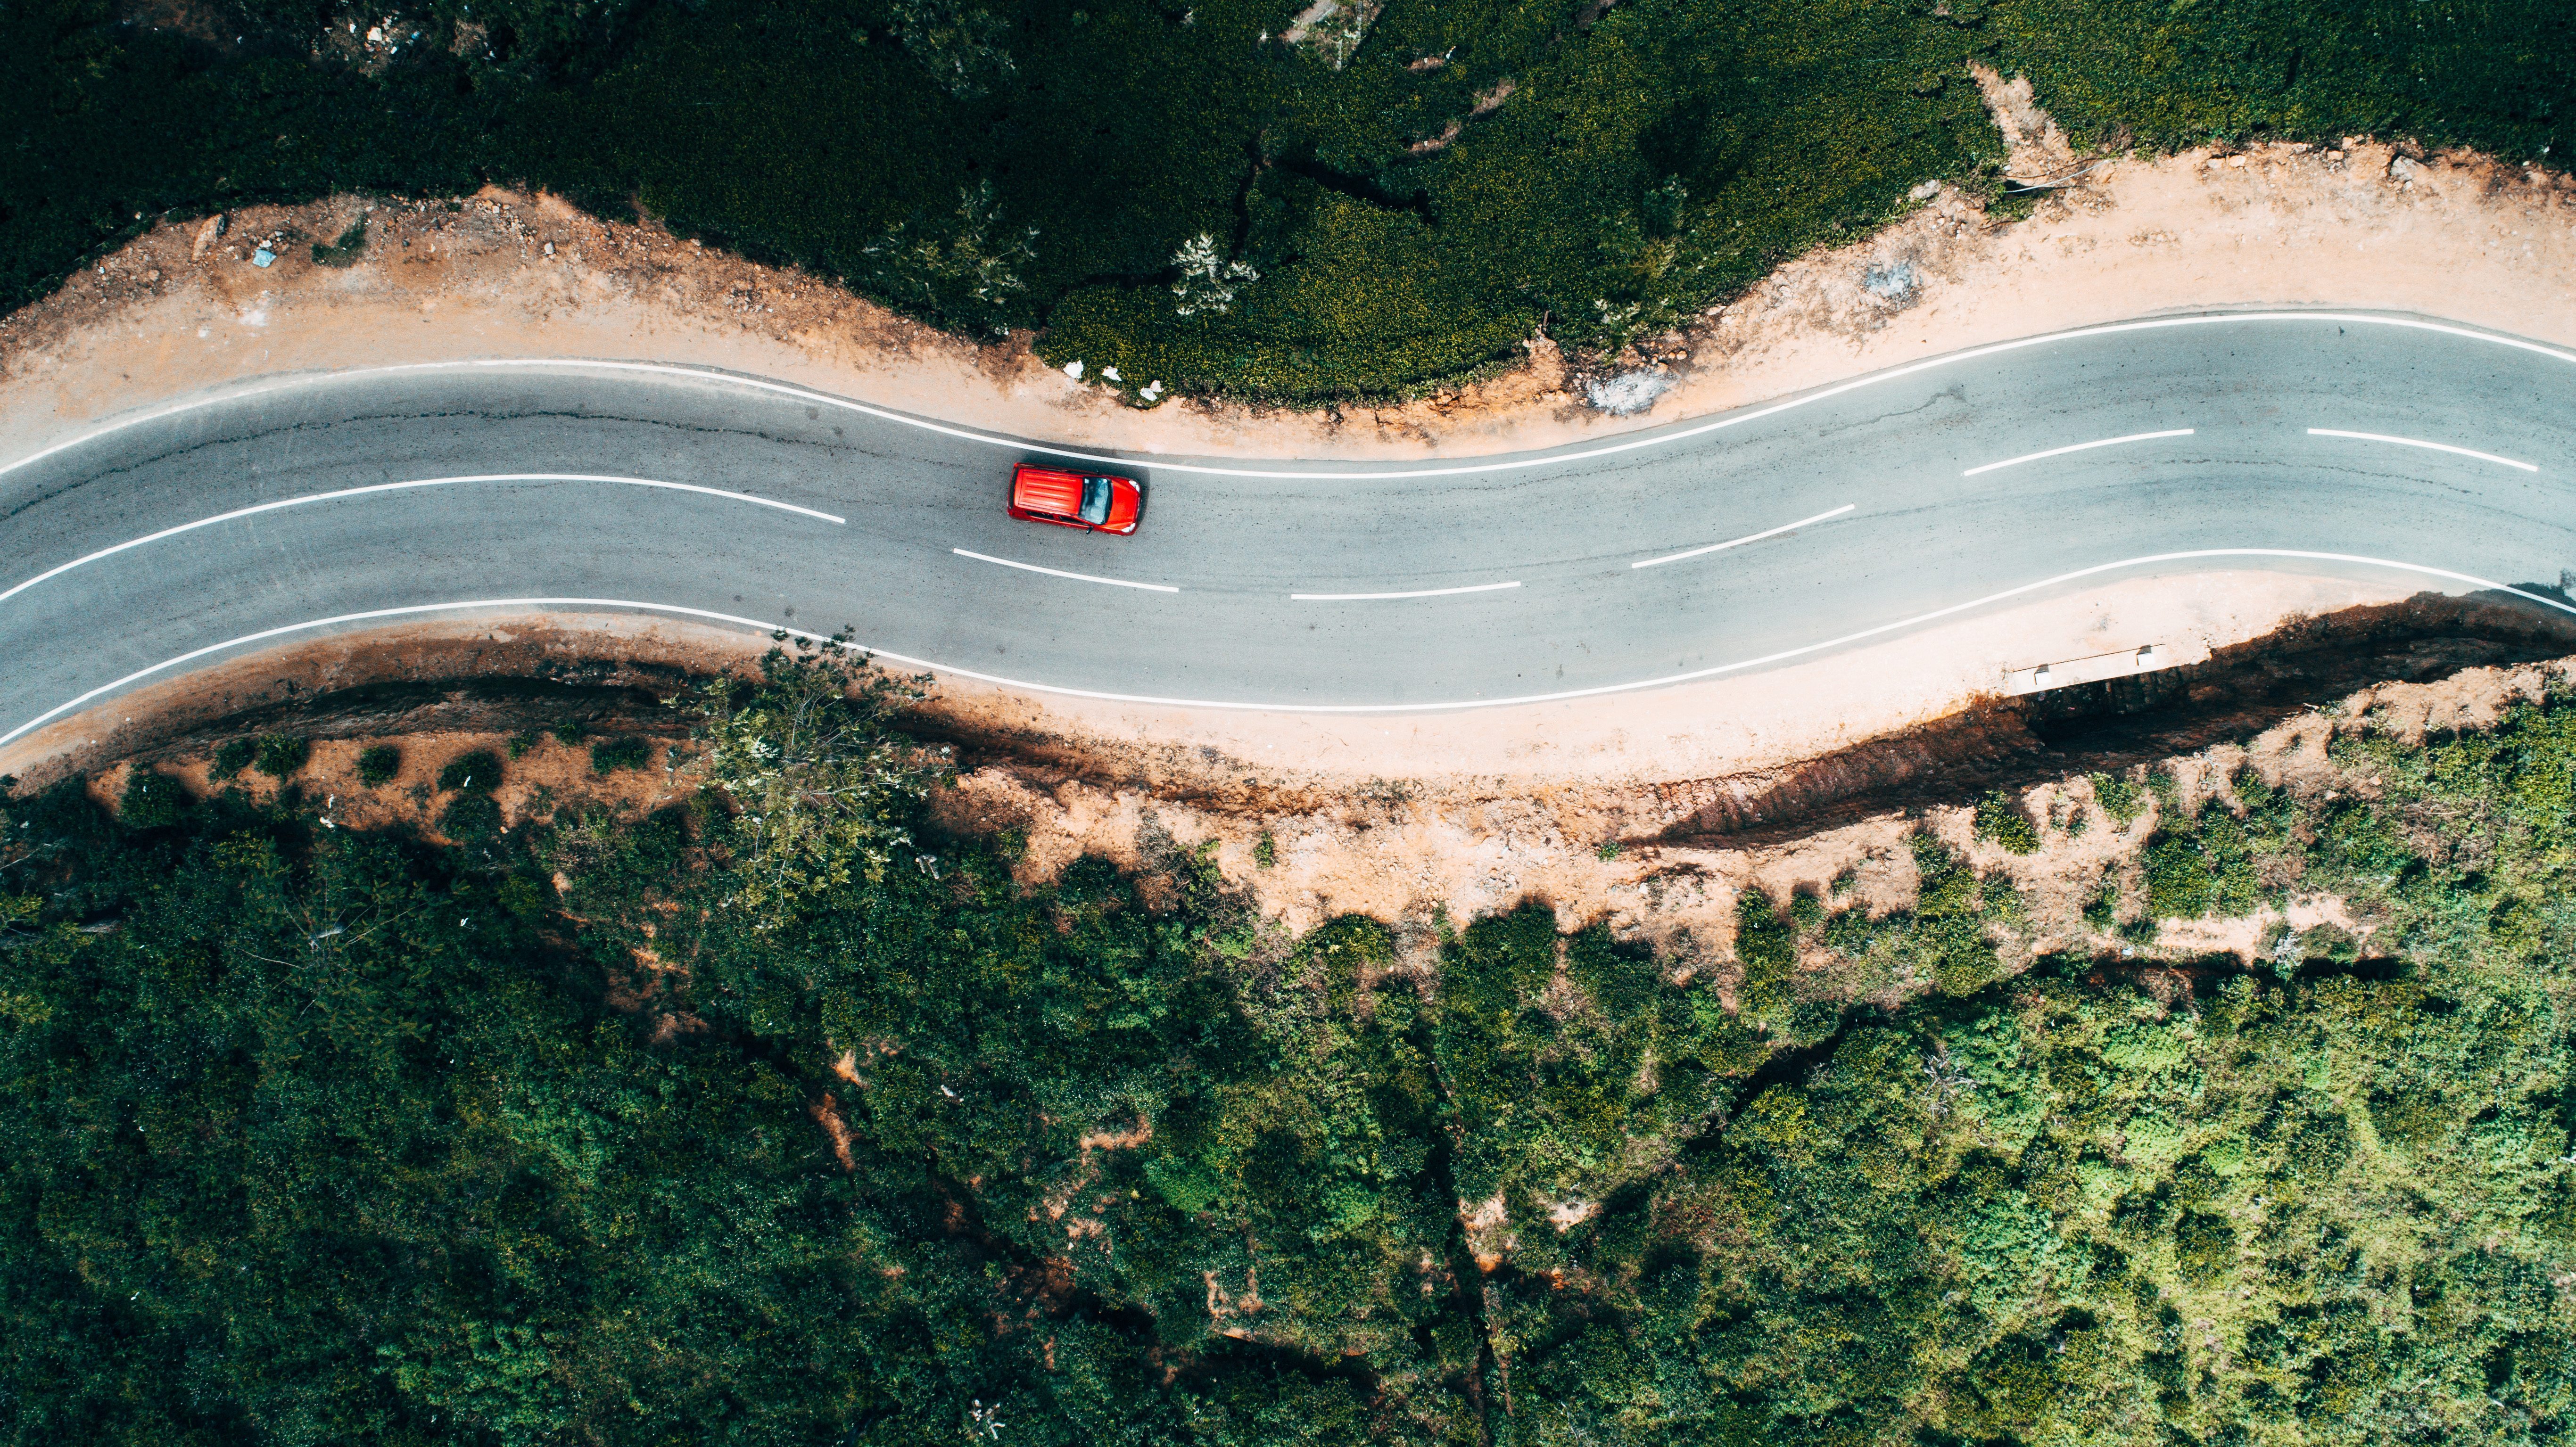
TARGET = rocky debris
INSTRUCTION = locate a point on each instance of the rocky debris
(1625, 394)
(1894, 282)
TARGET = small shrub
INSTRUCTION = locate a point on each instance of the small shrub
(520, 743)
(2178, 882)
(1606, 850)
(2103, 908)
(378, 765)
(628, 752)
(1265, 850)
(345, 251)
(152, 801)
(232, 758)
(569, 735)
(478, 772)
(278, 756)
(474, 818)
(1807, 910)
(2001, 818)
(2119, 797)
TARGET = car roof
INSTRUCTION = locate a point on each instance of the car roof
(1045, 489)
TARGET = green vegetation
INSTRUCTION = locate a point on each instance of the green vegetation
(2119, 796)
(378, 764)
(520, 743)
(475, 772)
(569, 734)
(345, 251)
(234, 756)
(623, 752)
(278, 755)
(2000, 817)
(1180, 192)
(322, 1136)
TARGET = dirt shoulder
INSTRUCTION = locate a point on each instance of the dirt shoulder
(181, 310)
(1647, 862)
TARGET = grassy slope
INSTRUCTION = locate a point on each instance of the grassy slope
(1044, 164)
(463, 1171)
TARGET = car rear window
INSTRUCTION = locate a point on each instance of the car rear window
(1095, 500)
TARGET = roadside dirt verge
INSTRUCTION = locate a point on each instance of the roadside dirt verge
(1657, 858)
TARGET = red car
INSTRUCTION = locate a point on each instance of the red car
(1093, 502)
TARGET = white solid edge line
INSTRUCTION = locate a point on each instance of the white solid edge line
(2428, 446)
(823, 399)
(1417, 593)
(1747, 538)
(242, 512)
(2078, 447)
(1060, 573)
(1784, 654)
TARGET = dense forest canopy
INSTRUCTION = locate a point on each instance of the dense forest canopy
(1212, 193)
(563, 1133)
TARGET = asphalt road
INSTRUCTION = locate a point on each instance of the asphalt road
(498, 484)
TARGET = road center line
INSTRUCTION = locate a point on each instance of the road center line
(1807, 650)
(1059, 573)
(1417, 593)
(2427, 446)
(347, 492)
(1747, 538)
(2078, 447)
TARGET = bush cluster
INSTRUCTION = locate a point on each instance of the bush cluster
(1175, 191)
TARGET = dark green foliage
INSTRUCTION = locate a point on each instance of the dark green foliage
(520, 743)
(1265, 850)
(378, 764)
(569, 734)
(1176, 191)
(152, 800)
(323, 1136)
(231, 758)
(278, 755)
(624, 752)
(2494, 74)
(345, 251)
(477, 772)
(2001, 818)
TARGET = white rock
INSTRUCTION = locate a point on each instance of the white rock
(1073, 369)
(1112, 374)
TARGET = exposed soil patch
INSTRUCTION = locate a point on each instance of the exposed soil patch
(1664, 861)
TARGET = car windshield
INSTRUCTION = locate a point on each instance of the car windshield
(1095, 500)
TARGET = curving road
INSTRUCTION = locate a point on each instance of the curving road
(2332, 441)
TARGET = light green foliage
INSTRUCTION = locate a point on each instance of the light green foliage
(2119, 797)
(2001, 818)
(821, 793)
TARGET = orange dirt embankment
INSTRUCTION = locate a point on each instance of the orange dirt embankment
(1397, 850)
